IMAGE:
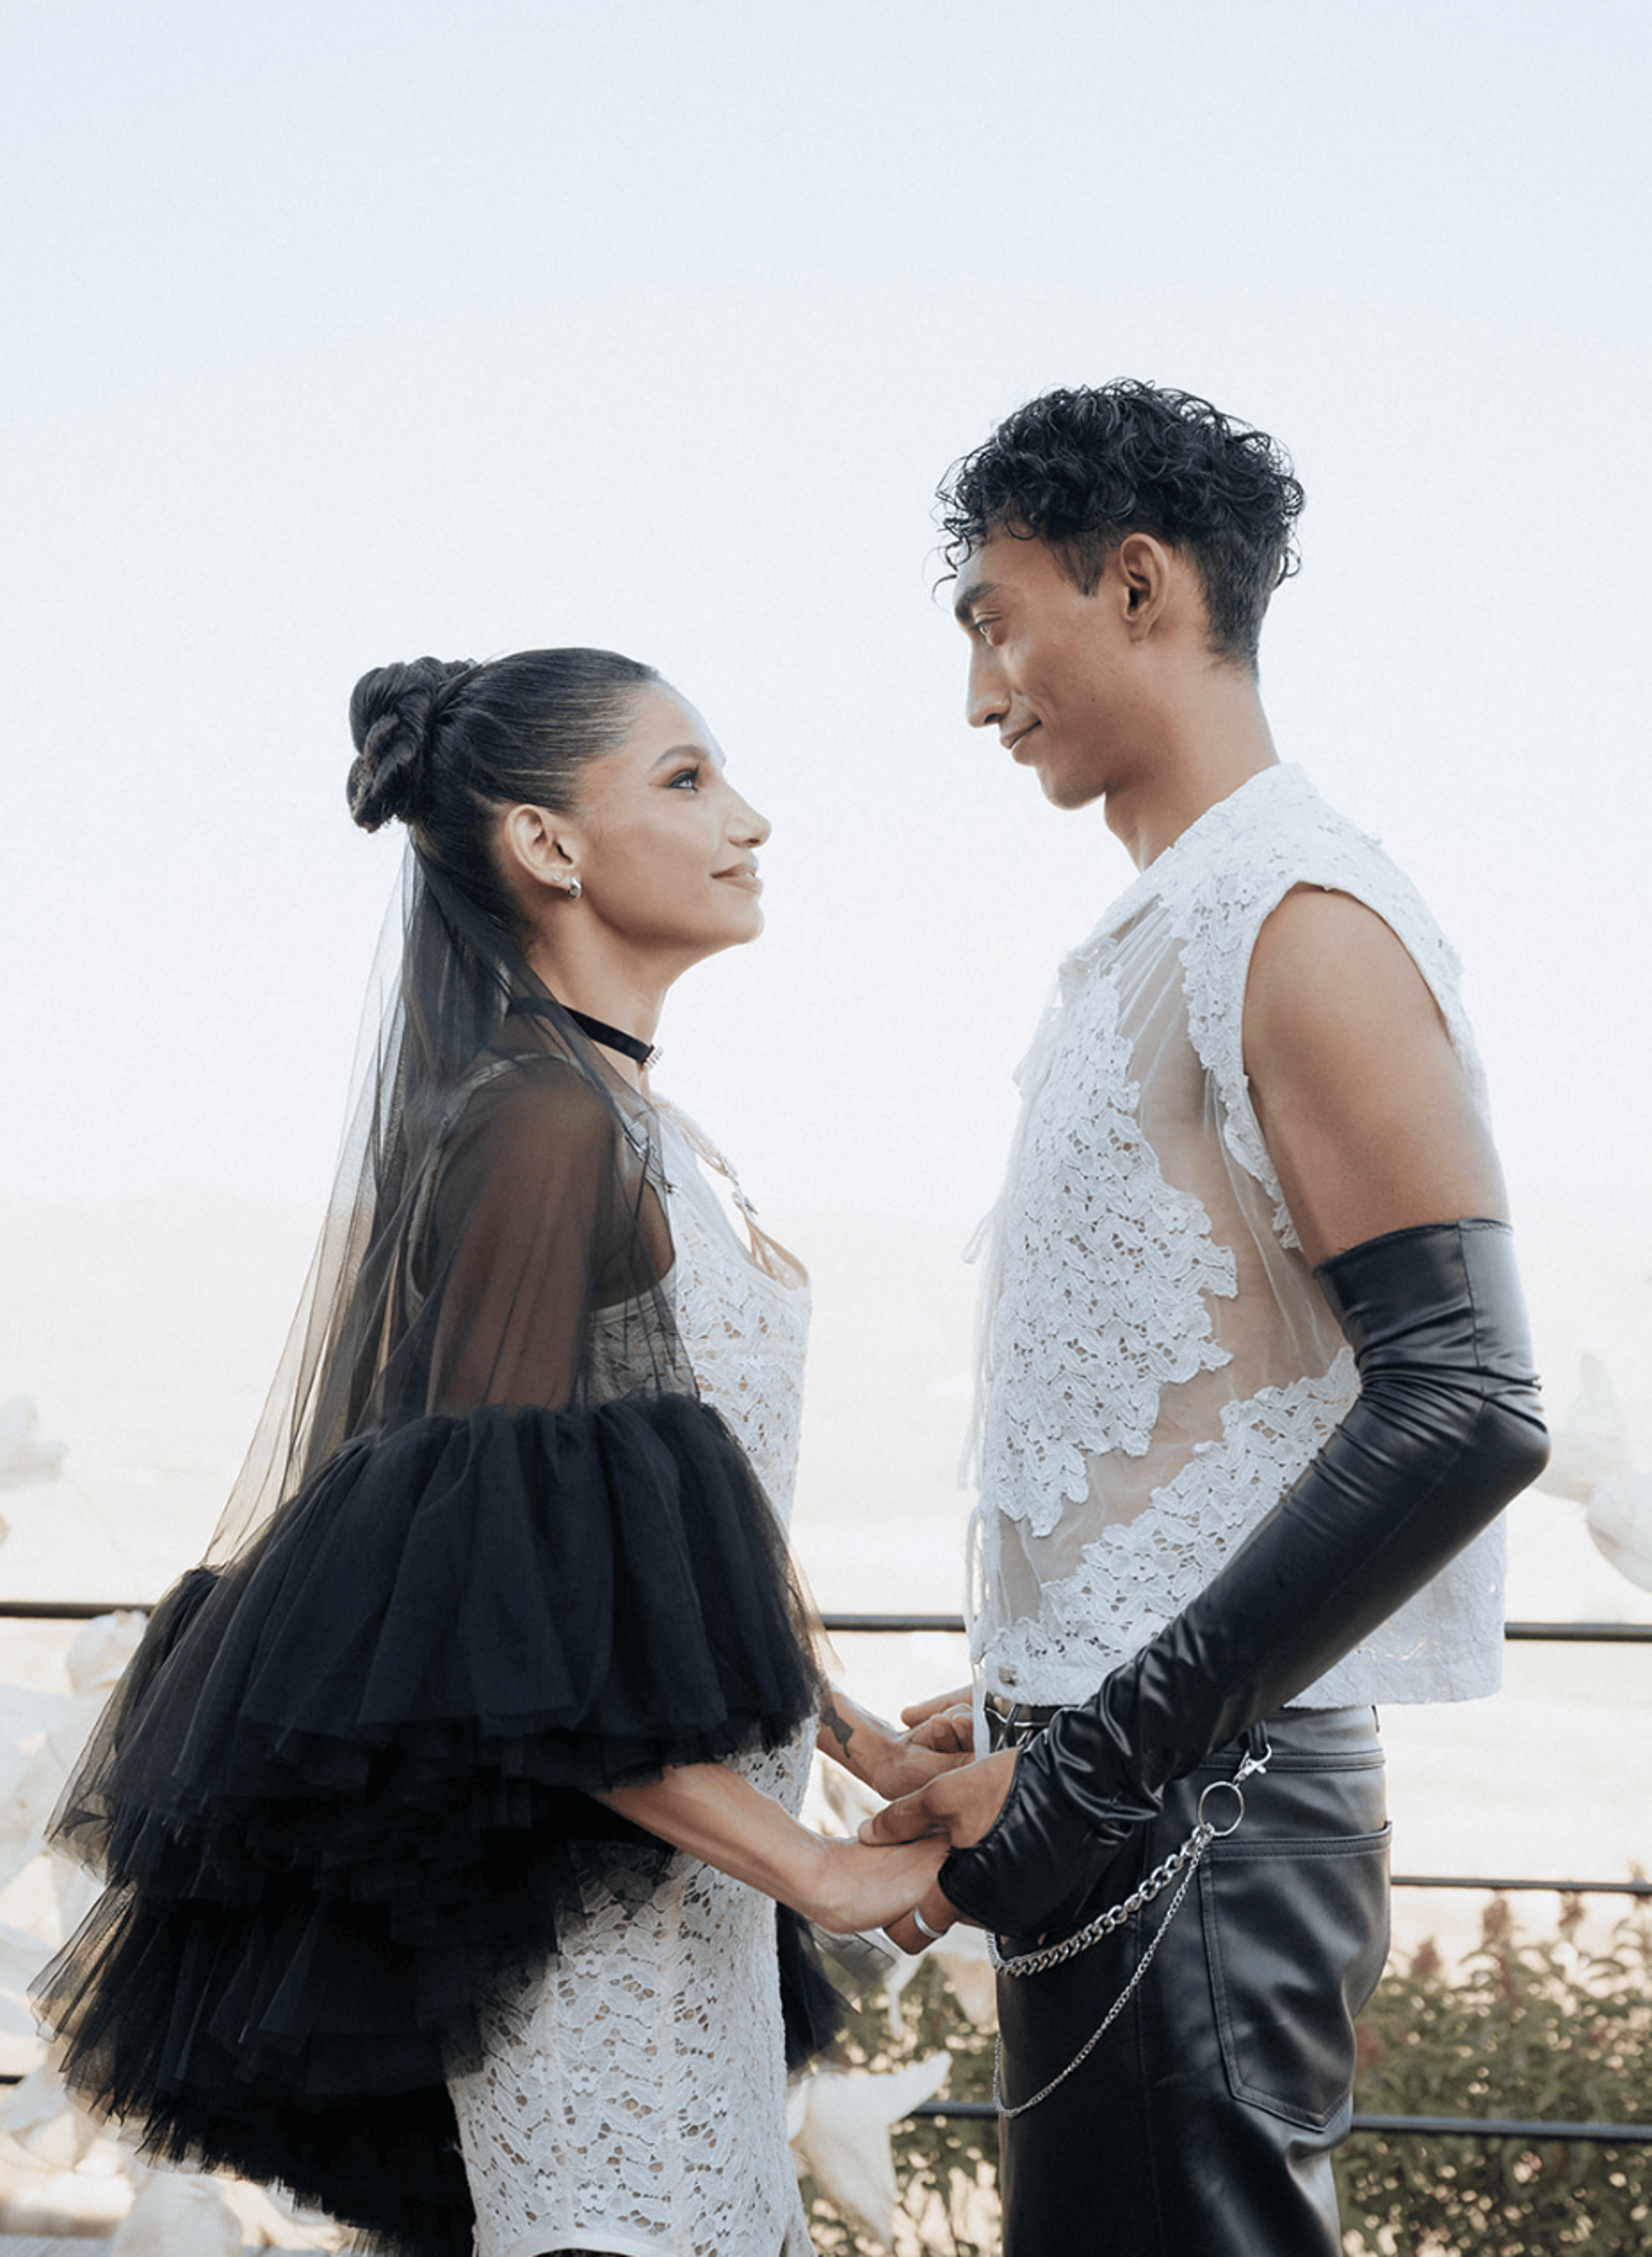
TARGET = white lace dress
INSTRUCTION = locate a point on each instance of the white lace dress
(632, 2096)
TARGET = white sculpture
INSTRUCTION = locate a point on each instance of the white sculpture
(962, 1952)
(1592, 1464)
(839, 2126)
(24, 1455)
(177, 2214)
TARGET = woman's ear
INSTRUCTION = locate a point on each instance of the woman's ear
(539, 849)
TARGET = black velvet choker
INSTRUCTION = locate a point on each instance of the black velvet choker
(613, 1039)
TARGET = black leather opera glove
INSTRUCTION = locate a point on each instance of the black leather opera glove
(1446, 1430)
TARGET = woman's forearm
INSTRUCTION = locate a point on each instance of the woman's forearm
(881, 1756)
(853, 1736)
(716, 1814)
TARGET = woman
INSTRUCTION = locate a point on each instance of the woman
(500, 1607)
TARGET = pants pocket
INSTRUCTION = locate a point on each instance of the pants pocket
(1297, 1935)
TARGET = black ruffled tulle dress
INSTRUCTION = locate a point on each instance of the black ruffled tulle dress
(342, 1792)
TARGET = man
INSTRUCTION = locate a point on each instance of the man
(1257, 1383)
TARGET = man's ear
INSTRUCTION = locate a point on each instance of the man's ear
(1145, 575)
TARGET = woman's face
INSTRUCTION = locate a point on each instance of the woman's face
(664, 847)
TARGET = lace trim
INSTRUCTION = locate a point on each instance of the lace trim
(746, 1330)
(1105, 1271)
(1138, 1575)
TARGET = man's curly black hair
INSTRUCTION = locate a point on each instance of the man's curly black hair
(1079, 469)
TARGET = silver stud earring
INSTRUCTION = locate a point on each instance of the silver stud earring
(573, 889)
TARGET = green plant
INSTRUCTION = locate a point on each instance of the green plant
(1529, 2027)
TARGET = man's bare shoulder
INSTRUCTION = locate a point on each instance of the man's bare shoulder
(1362, 1100)
(1326, 967)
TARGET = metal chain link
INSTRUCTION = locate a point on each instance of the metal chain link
(1185, 1861)
(1055, 1954)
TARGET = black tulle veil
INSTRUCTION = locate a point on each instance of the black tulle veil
(489, 1553)
(438, 1020)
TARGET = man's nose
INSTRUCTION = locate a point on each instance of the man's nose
(986, 699)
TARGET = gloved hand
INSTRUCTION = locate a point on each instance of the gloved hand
(1447, 1429)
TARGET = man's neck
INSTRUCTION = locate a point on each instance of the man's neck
(1208, 746)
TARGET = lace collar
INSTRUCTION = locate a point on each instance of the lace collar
(1284, 784)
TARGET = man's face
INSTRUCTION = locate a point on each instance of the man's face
(1050, 668)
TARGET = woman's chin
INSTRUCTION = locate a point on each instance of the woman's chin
(730, 932)
(743, 921)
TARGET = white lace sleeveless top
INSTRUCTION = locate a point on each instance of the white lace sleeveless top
(1158, 1363)
(632, 2093)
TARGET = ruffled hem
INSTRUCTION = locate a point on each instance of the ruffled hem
(335, 1795)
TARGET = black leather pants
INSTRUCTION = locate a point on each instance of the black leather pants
(1202, 2124)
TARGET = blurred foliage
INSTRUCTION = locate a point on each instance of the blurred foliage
(1525, 2027)
(947, 2170)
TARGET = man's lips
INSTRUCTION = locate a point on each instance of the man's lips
(1012, 743)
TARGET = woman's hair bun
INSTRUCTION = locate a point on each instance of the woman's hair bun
(393, 716)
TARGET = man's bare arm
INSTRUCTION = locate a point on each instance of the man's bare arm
(1362, 1100)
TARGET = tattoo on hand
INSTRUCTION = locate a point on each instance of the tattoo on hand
(841, 1732)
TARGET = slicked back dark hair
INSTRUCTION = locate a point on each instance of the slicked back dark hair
(444, 743)
(1080, 469)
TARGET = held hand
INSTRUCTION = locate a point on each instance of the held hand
(892, 1762)
(940, 1737)
(938, 1911)
(858, 1887)
(912, 1759)
(959, 1807)
(921, 1711)
(947, 1727)
(948, 1732)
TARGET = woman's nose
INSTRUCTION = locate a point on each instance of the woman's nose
(747, 827)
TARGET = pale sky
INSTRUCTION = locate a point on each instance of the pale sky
(340, 333)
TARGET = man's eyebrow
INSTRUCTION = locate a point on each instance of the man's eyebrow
(968, 597)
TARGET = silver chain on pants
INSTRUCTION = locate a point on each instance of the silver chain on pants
(1183, 1862)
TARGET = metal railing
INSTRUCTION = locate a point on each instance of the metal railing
(1563, 1633)
(1544, 2130)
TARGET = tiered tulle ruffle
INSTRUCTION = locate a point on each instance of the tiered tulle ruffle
(335, 1796)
